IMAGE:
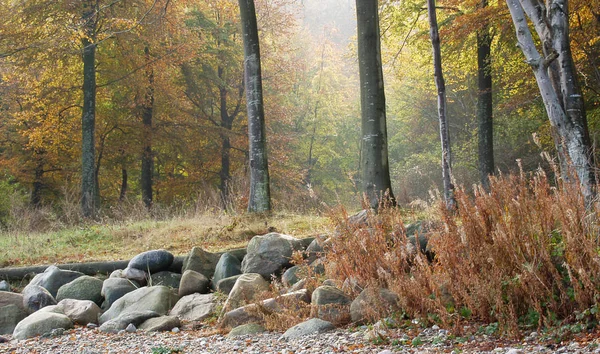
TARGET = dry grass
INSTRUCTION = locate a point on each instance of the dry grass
(112, 240)
(525, 254)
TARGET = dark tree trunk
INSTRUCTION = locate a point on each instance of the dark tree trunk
(226, 125)
(38, 185)
(374, 155)
(124, 182)
(260, 195)
(88, 118)
(484, 104)
(441, 89)
(147, 156)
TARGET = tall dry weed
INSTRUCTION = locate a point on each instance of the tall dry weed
(526, 251)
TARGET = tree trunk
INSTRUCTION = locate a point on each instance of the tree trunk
(484, 104)
(88, 117)
(374, 155)
(260, 198)
(557, 81)
(226, 125)
(123, 192)
(147, 157)
(38, 185)
(441, 88)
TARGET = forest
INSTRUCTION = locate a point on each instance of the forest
(170, 125)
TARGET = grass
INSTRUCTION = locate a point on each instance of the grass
(122, 240)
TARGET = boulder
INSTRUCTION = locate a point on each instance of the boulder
(53, 278)
(4, 286)
(254, 312)
(193, 282)
(312, 326)
(40, 323)
(134, 274)
(35, 297)
(373, 304)
(315, 249)
(331, 304)
(293, 275)
(79, 311)
(268, 254)
(152, 261)
(160, 324)
(200, 261)
(82, 288)
(8, 298)
(159, 299)
(10, 315)
(122, 321)
(165, 278)
(114, 288)
(194, 307)
(246, 329)
(246, 289)
(227, 266)
(225, 285)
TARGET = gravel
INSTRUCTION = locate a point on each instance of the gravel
(83, 340)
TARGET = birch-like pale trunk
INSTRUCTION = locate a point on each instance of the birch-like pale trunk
(441, 100)
(260, 195)
(374, 155)
(556, 78)
(88, 116)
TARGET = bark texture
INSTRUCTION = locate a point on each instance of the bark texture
(147, 172)
(484, 104)
(88, 117)
(374, 155)
(260, 195)
(441, 100)
(556, 78)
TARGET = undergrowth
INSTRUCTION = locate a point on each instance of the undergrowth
(523, 255)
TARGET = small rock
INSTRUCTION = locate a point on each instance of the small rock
(314, 325)
(4, 286)
(176, 330)
(91, 325)
(130, 328)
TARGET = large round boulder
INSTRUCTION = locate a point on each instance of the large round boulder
(40, 323)
(82, 288)
(246, 289)
(168, 279)
(331, 304)
(159, 299)
(114, 288)
(152, 261)
(200, 261)
(373, 304)
(79, 311)
(35, 297)
(269, 254)
(10, 315)
(193, 282)
(194, 307)
(227, 266)
(53, 278)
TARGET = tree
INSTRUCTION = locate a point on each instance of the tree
(374, 153)
(441, 90)
(557, 82)
(484, 103)
(147, 157)
(88, 115)
(260, 198)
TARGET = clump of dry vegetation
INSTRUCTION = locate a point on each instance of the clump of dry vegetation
(526, 253)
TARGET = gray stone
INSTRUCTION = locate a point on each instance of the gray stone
(225, 285)
(246, 329)
(40, 323)
(81, 312)
(160, 324)
(10, 315)
(318, 267)
(122, 321)
(152, 261)
(331, 304)
(373, 304)
(35, 297)
(159, 299)
(246, 288)
(165, 278)
(130, 328)
(194, 307)
(53, 278)
(200, 261)
(268, 254)
(227, 266)
(82, 288)
(8, 298)
(4, 286)
(137, 275)
(315, 249)
(193, 282)
(114, 288)
(312, 326)
(293, 275)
